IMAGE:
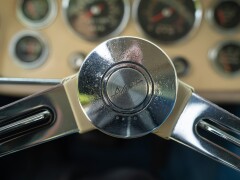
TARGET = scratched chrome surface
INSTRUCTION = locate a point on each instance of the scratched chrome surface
(195, 113)
(64, 123)
(132, 73)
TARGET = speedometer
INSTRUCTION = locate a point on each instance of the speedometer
(167, 21)
(96, 19)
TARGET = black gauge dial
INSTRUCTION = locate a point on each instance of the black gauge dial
(35, 9)
(95, 19)
(29, 49)
(36, 13)
(167, 21)
(227, 58)
(226, 14)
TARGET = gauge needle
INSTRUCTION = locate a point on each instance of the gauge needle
(95, 10)
(166, 12)
(221, 17)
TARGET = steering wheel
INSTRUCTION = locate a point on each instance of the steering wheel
(127, 88)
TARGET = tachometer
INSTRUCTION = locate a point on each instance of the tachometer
(167, 21)
(96, 19)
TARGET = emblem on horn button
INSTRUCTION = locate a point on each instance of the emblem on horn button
(126, 88)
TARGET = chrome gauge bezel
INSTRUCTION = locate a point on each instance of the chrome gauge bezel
(192, 32)
(38, 62)
(117, 31)
(209, 15)
(49, 18)
(212, 56)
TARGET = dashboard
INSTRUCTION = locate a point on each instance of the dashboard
(43, 41)
(49, 39)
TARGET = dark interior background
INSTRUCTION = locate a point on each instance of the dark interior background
(96, 156)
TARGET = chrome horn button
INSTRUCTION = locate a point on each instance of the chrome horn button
(127, 87)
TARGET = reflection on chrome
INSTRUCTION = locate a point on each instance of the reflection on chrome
(131, 58)
(87, 97)
(185, 131)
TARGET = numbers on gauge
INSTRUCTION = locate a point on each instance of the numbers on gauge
(96, 19)
(167, 21)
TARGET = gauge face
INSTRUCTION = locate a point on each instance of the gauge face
(227, 58)
(35, 9)
(36, 13)
(95, 19)
(29, 49)
(167, 21)
(227, 14)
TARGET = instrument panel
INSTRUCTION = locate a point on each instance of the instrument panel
(51, 38)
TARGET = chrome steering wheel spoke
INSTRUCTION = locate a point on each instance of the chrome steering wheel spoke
(127, 87)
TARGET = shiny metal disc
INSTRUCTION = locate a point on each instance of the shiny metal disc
(127, 87)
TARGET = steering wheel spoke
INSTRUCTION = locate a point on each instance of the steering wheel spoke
(127, 87)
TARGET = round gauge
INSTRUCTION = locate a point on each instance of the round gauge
(36, 13)
(181, 65)
(226, 57)
(225, 14)
(96, 19)
(167, 21)
(29, 49)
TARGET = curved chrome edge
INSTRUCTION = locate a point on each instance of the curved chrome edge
(183, 95)
(156, 72)
(83, 123)
(63, 124)
(185, 130)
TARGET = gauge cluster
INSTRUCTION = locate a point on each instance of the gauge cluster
(50, 38)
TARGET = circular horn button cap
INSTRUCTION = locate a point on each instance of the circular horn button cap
(126, 88)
